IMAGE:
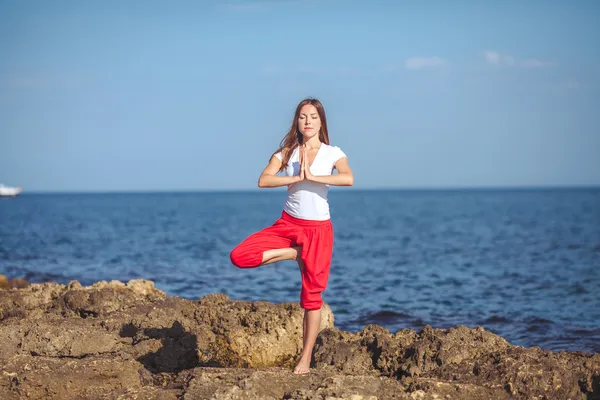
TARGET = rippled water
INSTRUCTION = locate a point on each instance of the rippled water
(523, 263)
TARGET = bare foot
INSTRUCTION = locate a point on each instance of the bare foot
(302, 368)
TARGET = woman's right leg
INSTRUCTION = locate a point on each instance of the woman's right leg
(317, 249)
(301, 265)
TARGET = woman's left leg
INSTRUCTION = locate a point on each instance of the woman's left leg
(266, 246)
(275, 255)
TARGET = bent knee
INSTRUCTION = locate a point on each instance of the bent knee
(236, 258)
(244, 259)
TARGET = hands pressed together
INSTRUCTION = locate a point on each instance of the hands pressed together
(305, 173)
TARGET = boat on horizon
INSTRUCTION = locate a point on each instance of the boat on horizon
(9, 191)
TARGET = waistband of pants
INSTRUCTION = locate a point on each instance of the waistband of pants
(304, 222)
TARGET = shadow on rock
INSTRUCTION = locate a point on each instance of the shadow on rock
(179, 349)
(595, 393)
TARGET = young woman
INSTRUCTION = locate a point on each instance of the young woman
(304, 232)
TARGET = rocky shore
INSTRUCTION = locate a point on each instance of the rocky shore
(130, 341)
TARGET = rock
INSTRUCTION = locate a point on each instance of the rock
(60, 378)
(49, 338)
(15, 283)
(130, 341)
(36, 298)
(277, 383)
(257, 334)
(343, 351)
(18, 283)
(4, 282)
(105, 298)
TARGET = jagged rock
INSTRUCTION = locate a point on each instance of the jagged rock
(342, 351)
(277, 383)
(130, 341)
(257, 334)
(50, 338)
(15, 283)
(66, 378)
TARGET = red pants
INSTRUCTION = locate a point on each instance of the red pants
(316, 240)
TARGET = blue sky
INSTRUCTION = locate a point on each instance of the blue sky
(148, 95)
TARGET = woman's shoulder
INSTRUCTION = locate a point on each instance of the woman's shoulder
(333, 148)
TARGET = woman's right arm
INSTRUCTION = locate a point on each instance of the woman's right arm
(269, 178)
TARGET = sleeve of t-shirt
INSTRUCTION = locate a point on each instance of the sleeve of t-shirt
(337, 154)
(279, 156)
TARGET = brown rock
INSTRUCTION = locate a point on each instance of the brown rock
(130, 341)
(18, 283)
(72, 338)
(257, 334)
(15, 283)
(59, 378)
(278, 383)
(4, 282)
(105, 298)
(343, 351)
(35, 299)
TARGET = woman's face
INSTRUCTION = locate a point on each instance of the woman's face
(309, 123)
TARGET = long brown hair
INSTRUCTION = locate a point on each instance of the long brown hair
(294, 137)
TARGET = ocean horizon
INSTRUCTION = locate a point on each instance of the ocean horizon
(332, 188)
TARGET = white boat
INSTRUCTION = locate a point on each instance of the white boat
(8, 191)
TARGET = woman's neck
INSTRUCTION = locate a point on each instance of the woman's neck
(313, 143)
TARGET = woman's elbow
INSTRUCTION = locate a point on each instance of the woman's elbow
(350, 180)
(262, 181)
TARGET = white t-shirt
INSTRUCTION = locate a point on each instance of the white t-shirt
(308, 200)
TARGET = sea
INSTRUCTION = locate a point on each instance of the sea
(522, 263)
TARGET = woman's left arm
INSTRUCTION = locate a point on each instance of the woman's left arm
(344, 177)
